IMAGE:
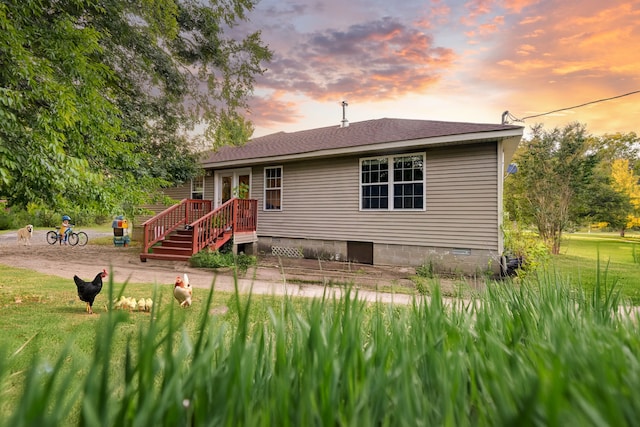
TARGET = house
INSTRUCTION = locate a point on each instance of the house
(386, 191)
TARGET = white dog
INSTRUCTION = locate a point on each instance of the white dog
(25, 233)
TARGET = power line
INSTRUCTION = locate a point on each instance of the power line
(508, 115)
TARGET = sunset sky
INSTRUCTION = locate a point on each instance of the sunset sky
(448, 60)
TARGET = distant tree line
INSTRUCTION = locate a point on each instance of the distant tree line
(568, 178)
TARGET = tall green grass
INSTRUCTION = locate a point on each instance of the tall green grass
(541, 353)
(581, 252)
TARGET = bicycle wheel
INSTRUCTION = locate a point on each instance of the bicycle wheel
(52, 237)
(73, 239)
(82, 238)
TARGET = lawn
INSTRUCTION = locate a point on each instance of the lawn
(618, 258)
(543, 352)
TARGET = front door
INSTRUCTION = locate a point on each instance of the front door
(232, 183)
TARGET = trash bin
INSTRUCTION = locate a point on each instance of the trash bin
(120, 231)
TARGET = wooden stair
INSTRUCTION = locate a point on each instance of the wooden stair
(176, 247)
(182, 230)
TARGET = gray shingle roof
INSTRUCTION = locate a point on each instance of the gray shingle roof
(357, 134)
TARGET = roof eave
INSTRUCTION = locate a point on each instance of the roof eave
(383, 146)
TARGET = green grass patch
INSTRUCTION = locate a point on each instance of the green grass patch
(582, 252)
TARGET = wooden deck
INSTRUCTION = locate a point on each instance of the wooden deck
(185, 229)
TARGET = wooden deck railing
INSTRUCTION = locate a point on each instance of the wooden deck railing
(217, 227)
(185, 212)
(210, 228)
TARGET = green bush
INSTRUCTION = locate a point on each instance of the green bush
(39, 216)
(524, 244)
(5, 220)
(217, 259)
(426, 270)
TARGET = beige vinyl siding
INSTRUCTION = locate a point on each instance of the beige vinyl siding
(184, 191)
(176, 193)
(321, 201)
(209, 187)
(181, 192)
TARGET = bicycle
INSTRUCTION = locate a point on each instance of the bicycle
(73, 238)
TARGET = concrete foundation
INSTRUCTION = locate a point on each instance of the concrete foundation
(456, 261)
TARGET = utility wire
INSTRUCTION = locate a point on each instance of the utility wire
(514, 118)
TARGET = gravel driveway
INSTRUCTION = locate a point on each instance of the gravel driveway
(270, 276)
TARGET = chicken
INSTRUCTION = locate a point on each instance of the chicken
(87, 291)
(182, 291)
(131, 304)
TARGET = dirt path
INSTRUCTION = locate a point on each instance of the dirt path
(270, 276)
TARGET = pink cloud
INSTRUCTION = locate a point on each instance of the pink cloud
(271, 109)
(381, 59)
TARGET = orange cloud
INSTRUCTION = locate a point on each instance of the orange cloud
(526, 49)
(531, 20)
(516, 6)
(569, 57)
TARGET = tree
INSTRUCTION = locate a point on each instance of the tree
(554, 171)
(605, 204)
(100, 100)
(612, 196)
(625, 182)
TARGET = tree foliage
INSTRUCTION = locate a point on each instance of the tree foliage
(555, 170)
(567, 176)
(625, 183)
(613, 196)
(103, 101)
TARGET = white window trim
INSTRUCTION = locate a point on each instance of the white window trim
(264, 193)
(391, 182)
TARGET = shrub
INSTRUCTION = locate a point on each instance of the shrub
(525, 245)
(426, 270)
(217, 259)
(5, 219)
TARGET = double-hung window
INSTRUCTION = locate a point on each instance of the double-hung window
(197, 188)
(273, 188)
(392, 182)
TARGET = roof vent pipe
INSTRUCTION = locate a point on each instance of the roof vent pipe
(344, 123)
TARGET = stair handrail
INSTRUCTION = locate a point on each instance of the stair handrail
(235, 215)
(181, 214)
(210, 227)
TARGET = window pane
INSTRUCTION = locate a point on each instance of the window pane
(408, 196)
(417, 174)
(418, 202)
(273, 188)
(374, 170)
(272, 200)
(375, 197)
